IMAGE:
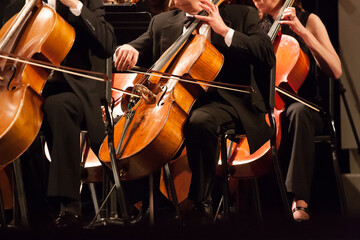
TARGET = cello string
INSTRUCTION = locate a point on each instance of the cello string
(273, 32)
(177, 45)
(141, 70)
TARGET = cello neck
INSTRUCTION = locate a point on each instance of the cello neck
(196, 22)
(276, 25)
(181, 40)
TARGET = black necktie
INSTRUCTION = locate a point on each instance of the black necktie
(188, 21)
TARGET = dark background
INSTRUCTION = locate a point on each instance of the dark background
(324, 198)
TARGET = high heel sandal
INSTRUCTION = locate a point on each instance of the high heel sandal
(306, 210)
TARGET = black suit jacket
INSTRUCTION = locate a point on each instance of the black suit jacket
(247, 61)
(9, 8)
(94, 41)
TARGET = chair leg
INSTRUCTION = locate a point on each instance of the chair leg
(151, 199)
(115, 167)
(256, 195)
(218, 208)
(339, 184)
(94, 199)
(91, 224)
(21, 194)
(225, 153)
(335, 162)
(169, 179)
(224, 167)
(106, 186)
(2, 213)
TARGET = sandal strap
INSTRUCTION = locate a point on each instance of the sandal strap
(301, 208)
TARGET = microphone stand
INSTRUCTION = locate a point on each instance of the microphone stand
(342, 92)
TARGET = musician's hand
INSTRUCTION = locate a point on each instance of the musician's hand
(126, 57)
(70, 3)
(213, 19)
(289, 18)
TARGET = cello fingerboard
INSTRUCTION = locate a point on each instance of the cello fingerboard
(276, 26)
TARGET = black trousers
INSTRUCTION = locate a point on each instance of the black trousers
(63, 121)
(300, 125)
(209, 119)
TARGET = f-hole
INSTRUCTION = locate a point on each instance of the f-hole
(164, 90)
(12, 71)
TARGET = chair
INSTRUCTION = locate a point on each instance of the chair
(330, 138)
(91, 170)
(20, 207)
(2, 213)
(228, 171)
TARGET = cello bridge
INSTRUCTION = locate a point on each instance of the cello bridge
(145, 93)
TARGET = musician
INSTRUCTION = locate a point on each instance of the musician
(73, 103)
(300, 123)
(249, 56)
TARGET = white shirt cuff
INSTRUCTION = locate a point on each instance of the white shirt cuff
(77, 11)
(229, 37)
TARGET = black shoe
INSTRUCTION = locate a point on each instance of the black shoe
(68, 220)
(202, 214)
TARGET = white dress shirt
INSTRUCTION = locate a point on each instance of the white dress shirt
(76, 11)
(52, 3)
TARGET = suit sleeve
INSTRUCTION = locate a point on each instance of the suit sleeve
(252, 41)
(144, 44)
(98, 31)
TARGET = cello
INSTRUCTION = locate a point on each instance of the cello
(36, 32)
(150, 132)
(292, 64)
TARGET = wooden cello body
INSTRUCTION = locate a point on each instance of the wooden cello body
(292, 67)
(37, 32)
(292, 64)
(155, 134)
